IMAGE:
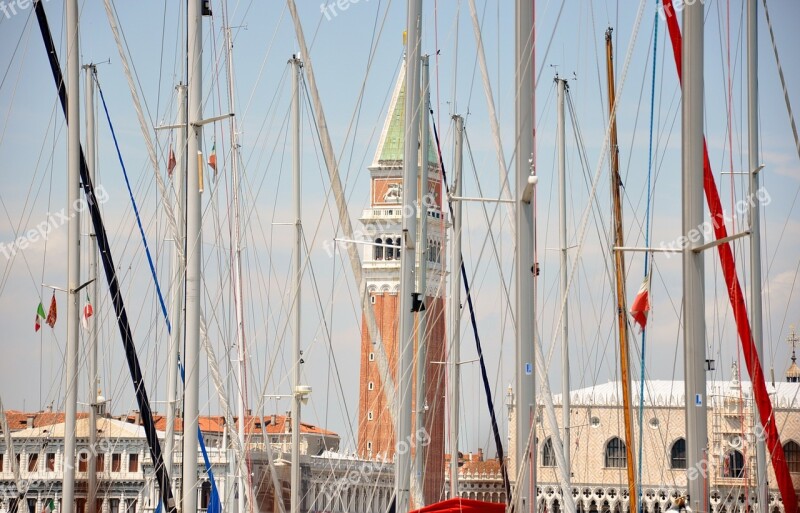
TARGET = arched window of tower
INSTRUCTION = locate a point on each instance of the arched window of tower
(389, 251)
(378, 249)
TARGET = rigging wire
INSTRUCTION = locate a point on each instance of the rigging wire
(465, 279)
(161, 302)
(648, 256)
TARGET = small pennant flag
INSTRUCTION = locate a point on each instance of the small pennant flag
(171, 163)
(212, 158)
(88, 311)
(52, 314)
(641, 304)
(39, 316)
(51, 506)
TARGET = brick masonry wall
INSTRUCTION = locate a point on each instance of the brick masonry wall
(379, 432)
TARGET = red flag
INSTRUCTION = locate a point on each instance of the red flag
(52, 314)
(171, 163)
(641, 304)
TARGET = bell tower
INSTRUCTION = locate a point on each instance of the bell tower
(382, 223)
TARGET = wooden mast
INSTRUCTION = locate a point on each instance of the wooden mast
(619, 268)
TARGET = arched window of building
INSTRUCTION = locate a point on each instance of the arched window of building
(438, 252)
(378, 249)
(677, 458)
(389, 251)
(397, 248)
(733, 465)
(615, 454)
(430, 251)
(205, 495)
(791, 450)
(548, 455)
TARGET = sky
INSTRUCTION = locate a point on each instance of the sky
(356, 55)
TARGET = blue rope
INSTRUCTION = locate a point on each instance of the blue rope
(647, 255)
(215, 505)
(136, 212)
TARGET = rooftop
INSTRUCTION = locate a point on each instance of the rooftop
(20, 420)
(671, 393)
(49, 423)
(106, 427)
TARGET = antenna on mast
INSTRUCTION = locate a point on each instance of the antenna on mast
(793, 340)
(793, 373)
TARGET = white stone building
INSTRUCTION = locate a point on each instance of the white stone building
(598, 452)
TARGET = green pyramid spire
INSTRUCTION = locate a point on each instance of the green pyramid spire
(392, 142)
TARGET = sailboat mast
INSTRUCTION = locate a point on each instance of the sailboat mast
(762, 485)
(422, 274)
(562, 225)
(176, 287)
(455, 307)
(409, 301)
(298, 246)
(238, 290)
(191, 409)
(91, 492)
(73, 252)
(525, 266)
(694, 325)
(619, 266)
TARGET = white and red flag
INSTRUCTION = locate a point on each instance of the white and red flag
(641, 304)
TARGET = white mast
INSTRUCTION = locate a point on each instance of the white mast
(422, 279)
(408, 301)
(238, 290)
(562, 224)
(91, 492)
(762, 486)
(524, 271)
(176, 286)
(73, 252)
(193, 255)
(455, 307)
(298, 246)
(694, 327)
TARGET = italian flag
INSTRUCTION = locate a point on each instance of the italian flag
(212, 158)
(39, 316)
